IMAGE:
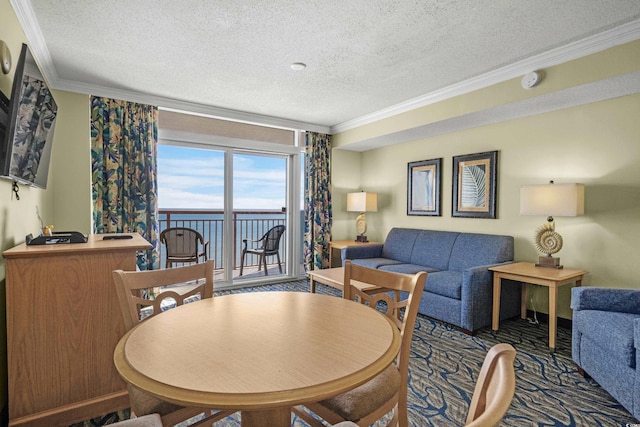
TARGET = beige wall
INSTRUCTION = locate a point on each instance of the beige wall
(71, 161)
(66, 203)
(17, 217)
(345, 178)
(597, 144)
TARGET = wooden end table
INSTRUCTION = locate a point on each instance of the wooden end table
(340, 244)
(334, 277)
(527, 272)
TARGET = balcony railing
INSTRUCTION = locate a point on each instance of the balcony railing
(247, 224)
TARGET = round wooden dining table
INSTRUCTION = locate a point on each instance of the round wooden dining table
(257, 352)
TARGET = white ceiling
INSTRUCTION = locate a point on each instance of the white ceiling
(364, 57)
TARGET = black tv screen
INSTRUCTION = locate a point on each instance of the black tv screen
(26, 150)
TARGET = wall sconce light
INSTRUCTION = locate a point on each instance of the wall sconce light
(552, 200)
(362, 202)
(5, 57)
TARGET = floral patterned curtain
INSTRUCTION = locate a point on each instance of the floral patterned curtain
(124, 174)
(317, 201)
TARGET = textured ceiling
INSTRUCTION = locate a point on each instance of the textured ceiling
(362, 56)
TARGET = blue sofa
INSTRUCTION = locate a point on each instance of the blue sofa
(605, 340)
(459, 288)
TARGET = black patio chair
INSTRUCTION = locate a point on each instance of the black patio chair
(270, 246)
(182, 245)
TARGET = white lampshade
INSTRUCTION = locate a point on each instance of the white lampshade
(362, 202)
(552, 199)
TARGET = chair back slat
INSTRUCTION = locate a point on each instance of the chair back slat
(382, 302)
(130, 286)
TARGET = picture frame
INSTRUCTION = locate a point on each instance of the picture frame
(424, 187)
(474, 185)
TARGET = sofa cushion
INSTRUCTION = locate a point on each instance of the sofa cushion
(399, 244)
(433, 249)
(611, 331)
(446, 283)
(407, 268)
(473, 250)
(374, 262)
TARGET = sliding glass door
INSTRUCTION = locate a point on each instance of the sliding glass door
(231, 195)
(191, 188)
(259, 215)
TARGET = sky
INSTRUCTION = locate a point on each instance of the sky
(193, 178)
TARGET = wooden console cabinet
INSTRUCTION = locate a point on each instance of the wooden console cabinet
(63, 323)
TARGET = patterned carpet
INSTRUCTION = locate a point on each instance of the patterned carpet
(445, 363)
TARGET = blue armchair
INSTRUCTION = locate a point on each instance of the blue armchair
(606, 340)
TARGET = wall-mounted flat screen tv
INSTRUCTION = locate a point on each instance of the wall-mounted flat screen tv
(25, 153)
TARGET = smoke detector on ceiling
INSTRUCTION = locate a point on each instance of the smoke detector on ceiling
(531, 79)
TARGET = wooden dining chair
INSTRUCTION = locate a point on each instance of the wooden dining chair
(163, 289)
(387, 391)
(495, 387)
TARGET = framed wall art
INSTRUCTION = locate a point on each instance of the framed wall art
(423, 187)
(474, 185)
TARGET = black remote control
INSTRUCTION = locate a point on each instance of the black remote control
(117, 237)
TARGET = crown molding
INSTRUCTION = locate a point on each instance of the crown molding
(601, 90)
(189, 107)
(578, 49)
(27, 18)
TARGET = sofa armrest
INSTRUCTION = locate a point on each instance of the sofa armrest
(606, 299)
(477, 295)
(364, 251)
(483, 269)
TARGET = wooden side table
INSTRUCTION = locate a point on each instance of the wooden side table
(334, 277)
(340, 244)
(527, 272)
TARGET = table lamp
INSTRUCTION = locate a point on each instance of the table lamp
(552, 200)
(362, 202)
